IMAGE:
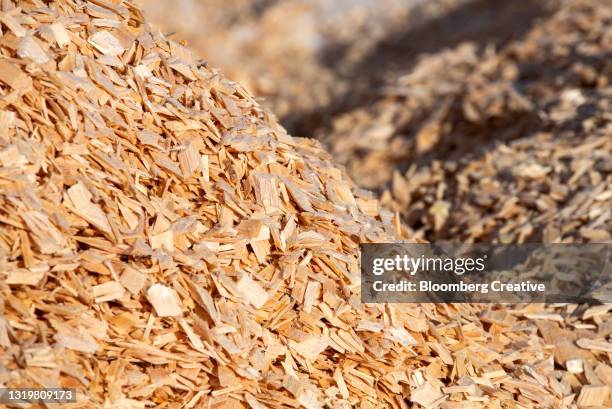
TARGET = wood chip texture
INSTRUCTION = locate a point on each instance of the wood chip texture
(164, 243)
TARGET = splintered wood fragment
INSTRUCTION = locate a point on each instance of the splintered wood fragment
(205, 168)
(402, 336)
(604, 373)
(163, 241)
(12, 24)
(61, 35)
(312, 292)
(344, 194)
(261, 248)
(252, 291)
(189, 160)
(82, 342)
(204, 299)
(545, 316)
(341, 383)
(566, 353)
(82, 205)
(10, 156)
(164, 300)
(445, 354)
(194, 339)
(594, 345)
(309, 348)
(300, 198)
(47, 237)
(133, 280)
(7, 121)
(226, 391)
(593, 395)
(253, 403)
(426, 394)
(29, 48)
(226, 377)
(182, 68)
(369, 207)
(106, 43)
(13, 76)
(254, 230)
(266, 192)
(164, 339)
(196, 398)
(575, 365)
(596, 310)
(25, 277)
(143, 72)
(185, 125)
(494, 374)
(471, 389)
(108, 291)
(309, 400)
(288, 231)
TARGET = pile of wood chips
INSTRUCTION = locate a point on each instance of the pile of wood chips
(164, 243)
(508, 145)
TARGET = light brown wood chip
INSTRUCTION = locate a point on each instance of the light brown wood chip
(164, 300)
(592, 395)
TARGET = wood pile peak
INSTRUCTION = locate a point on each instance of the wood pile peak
(164, 243)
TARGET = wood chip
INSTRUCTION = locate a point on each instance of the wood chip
(133, 280)
(80, 202)
(29, 48)
(594, 345)
(61, 35)
(13, 76)
(425, 395)
(252, 291)
(591, 395)
(106, 43)
(108, 291)
(164, 300)
(9, 20)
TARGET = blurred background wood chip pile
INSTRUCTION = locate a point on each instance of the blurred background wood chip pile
(505, 144)
(165, 243)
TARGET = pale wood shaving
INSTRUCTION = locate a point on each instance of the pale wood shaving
(164, 300)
